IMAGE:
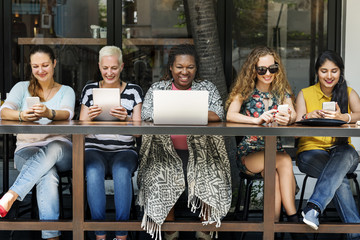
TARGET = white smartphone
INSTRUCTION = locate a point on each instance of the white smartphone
(31, 101)
(330, 106)
(283, 108)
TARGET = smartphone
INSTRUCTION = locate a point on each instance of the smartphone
(31, 101)
(330, 106)
(283, 108)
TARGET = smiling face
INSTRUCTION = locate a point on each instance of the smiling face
(110, 70)
(42, 67)
(183, 71)
(329, 75)
(264, 81)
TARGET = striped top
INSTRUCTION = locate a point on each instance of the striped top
(130, 97)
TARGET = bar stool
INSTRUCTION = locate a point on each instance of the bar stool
(64, 186)
(350, 176)
(32, 208)
(249, 179)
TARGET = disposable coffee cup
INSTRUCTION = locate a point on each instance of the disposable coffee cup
(103, 32)
(95, 31)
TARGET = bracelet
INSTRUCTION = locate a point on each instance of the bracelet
(304, 117)
(20, 119)
(349, 116)
(53, 112)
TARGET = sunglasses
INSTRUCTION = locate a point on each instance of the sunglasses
(261, 70)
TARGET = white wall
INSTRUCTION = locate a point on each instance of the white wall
(352, 49)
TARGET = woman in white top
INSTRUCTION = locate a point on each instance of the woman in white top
(38, 157)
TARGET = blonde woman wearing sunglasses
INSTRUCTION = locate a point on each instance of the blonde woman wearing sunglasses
(261, 86)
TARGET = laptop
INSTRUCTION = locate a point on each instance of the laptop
(186, 107)
(106, 98)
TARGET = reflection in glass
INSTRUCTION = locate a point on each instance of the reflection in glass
(297, 29)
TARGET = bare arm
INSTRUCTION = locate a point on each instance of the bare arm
(41, 110)
(234, 115)
(136, 115)
(213, 117)
(354, 102)
(33, 114)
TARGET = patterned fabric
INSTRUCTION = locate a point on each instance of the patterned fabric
(131, 96)
(254, 107)
(215, 102)
(161, 179)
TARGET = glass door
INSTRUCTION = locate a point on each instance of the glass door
(76, 30)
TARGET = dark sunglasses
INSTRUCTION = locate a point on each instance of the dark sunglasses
(261, 70)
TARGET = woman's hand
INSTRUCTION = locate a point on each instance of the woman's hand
(94, 111)
(28, 115)
(332, 114)
(119, 112)
(315, 114)
(283, 118)
(266, 117)
(40, 110)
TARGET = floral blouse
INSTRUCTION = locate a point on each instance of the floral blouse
(254, 107)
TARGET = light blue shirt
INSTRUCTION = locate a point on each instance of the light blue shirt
(64, 99)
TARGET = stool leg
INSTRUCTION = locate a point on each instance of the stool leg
(61, 200)
(238, 203)
(357, 191)
(249, 184)
(302, 194)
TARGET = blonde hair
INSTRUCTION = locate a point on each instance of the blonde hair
(245, 82)
(111, 51)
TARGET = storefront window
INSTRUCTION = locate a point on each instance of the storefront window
(74, 29)
(150, 29)
(297, 29)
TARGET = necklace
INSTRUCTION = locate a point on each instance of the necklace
(49, 92)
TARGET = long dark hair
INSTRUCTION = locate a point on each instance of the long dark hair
(34, 86)
(182, 49)
(339, 93)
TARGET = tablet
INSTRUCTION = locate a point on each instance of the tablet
(106, 98)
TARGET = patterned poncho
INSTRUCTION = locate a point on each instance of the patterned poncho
(161, 179)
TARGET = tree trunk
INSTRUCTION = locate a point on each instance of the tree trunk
(204, 31)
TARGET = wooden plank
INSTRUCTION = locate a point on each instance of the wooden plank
(103, 41)
(269, 187)
(36, 225)
(78, 186)
(62, 41)
(226, 226)
(324, 228)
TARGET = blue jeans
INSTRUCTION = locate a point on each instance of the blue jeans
(331, 167)
(39, 165)
(121, 165)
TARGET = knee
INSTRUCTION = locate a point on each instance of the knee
(349, 154)
(55, 150)
(123, 170)
(94, 172)
(51, 178)
(283, 160)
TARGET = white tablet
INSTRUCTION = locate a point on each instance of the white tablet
(106, 98)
